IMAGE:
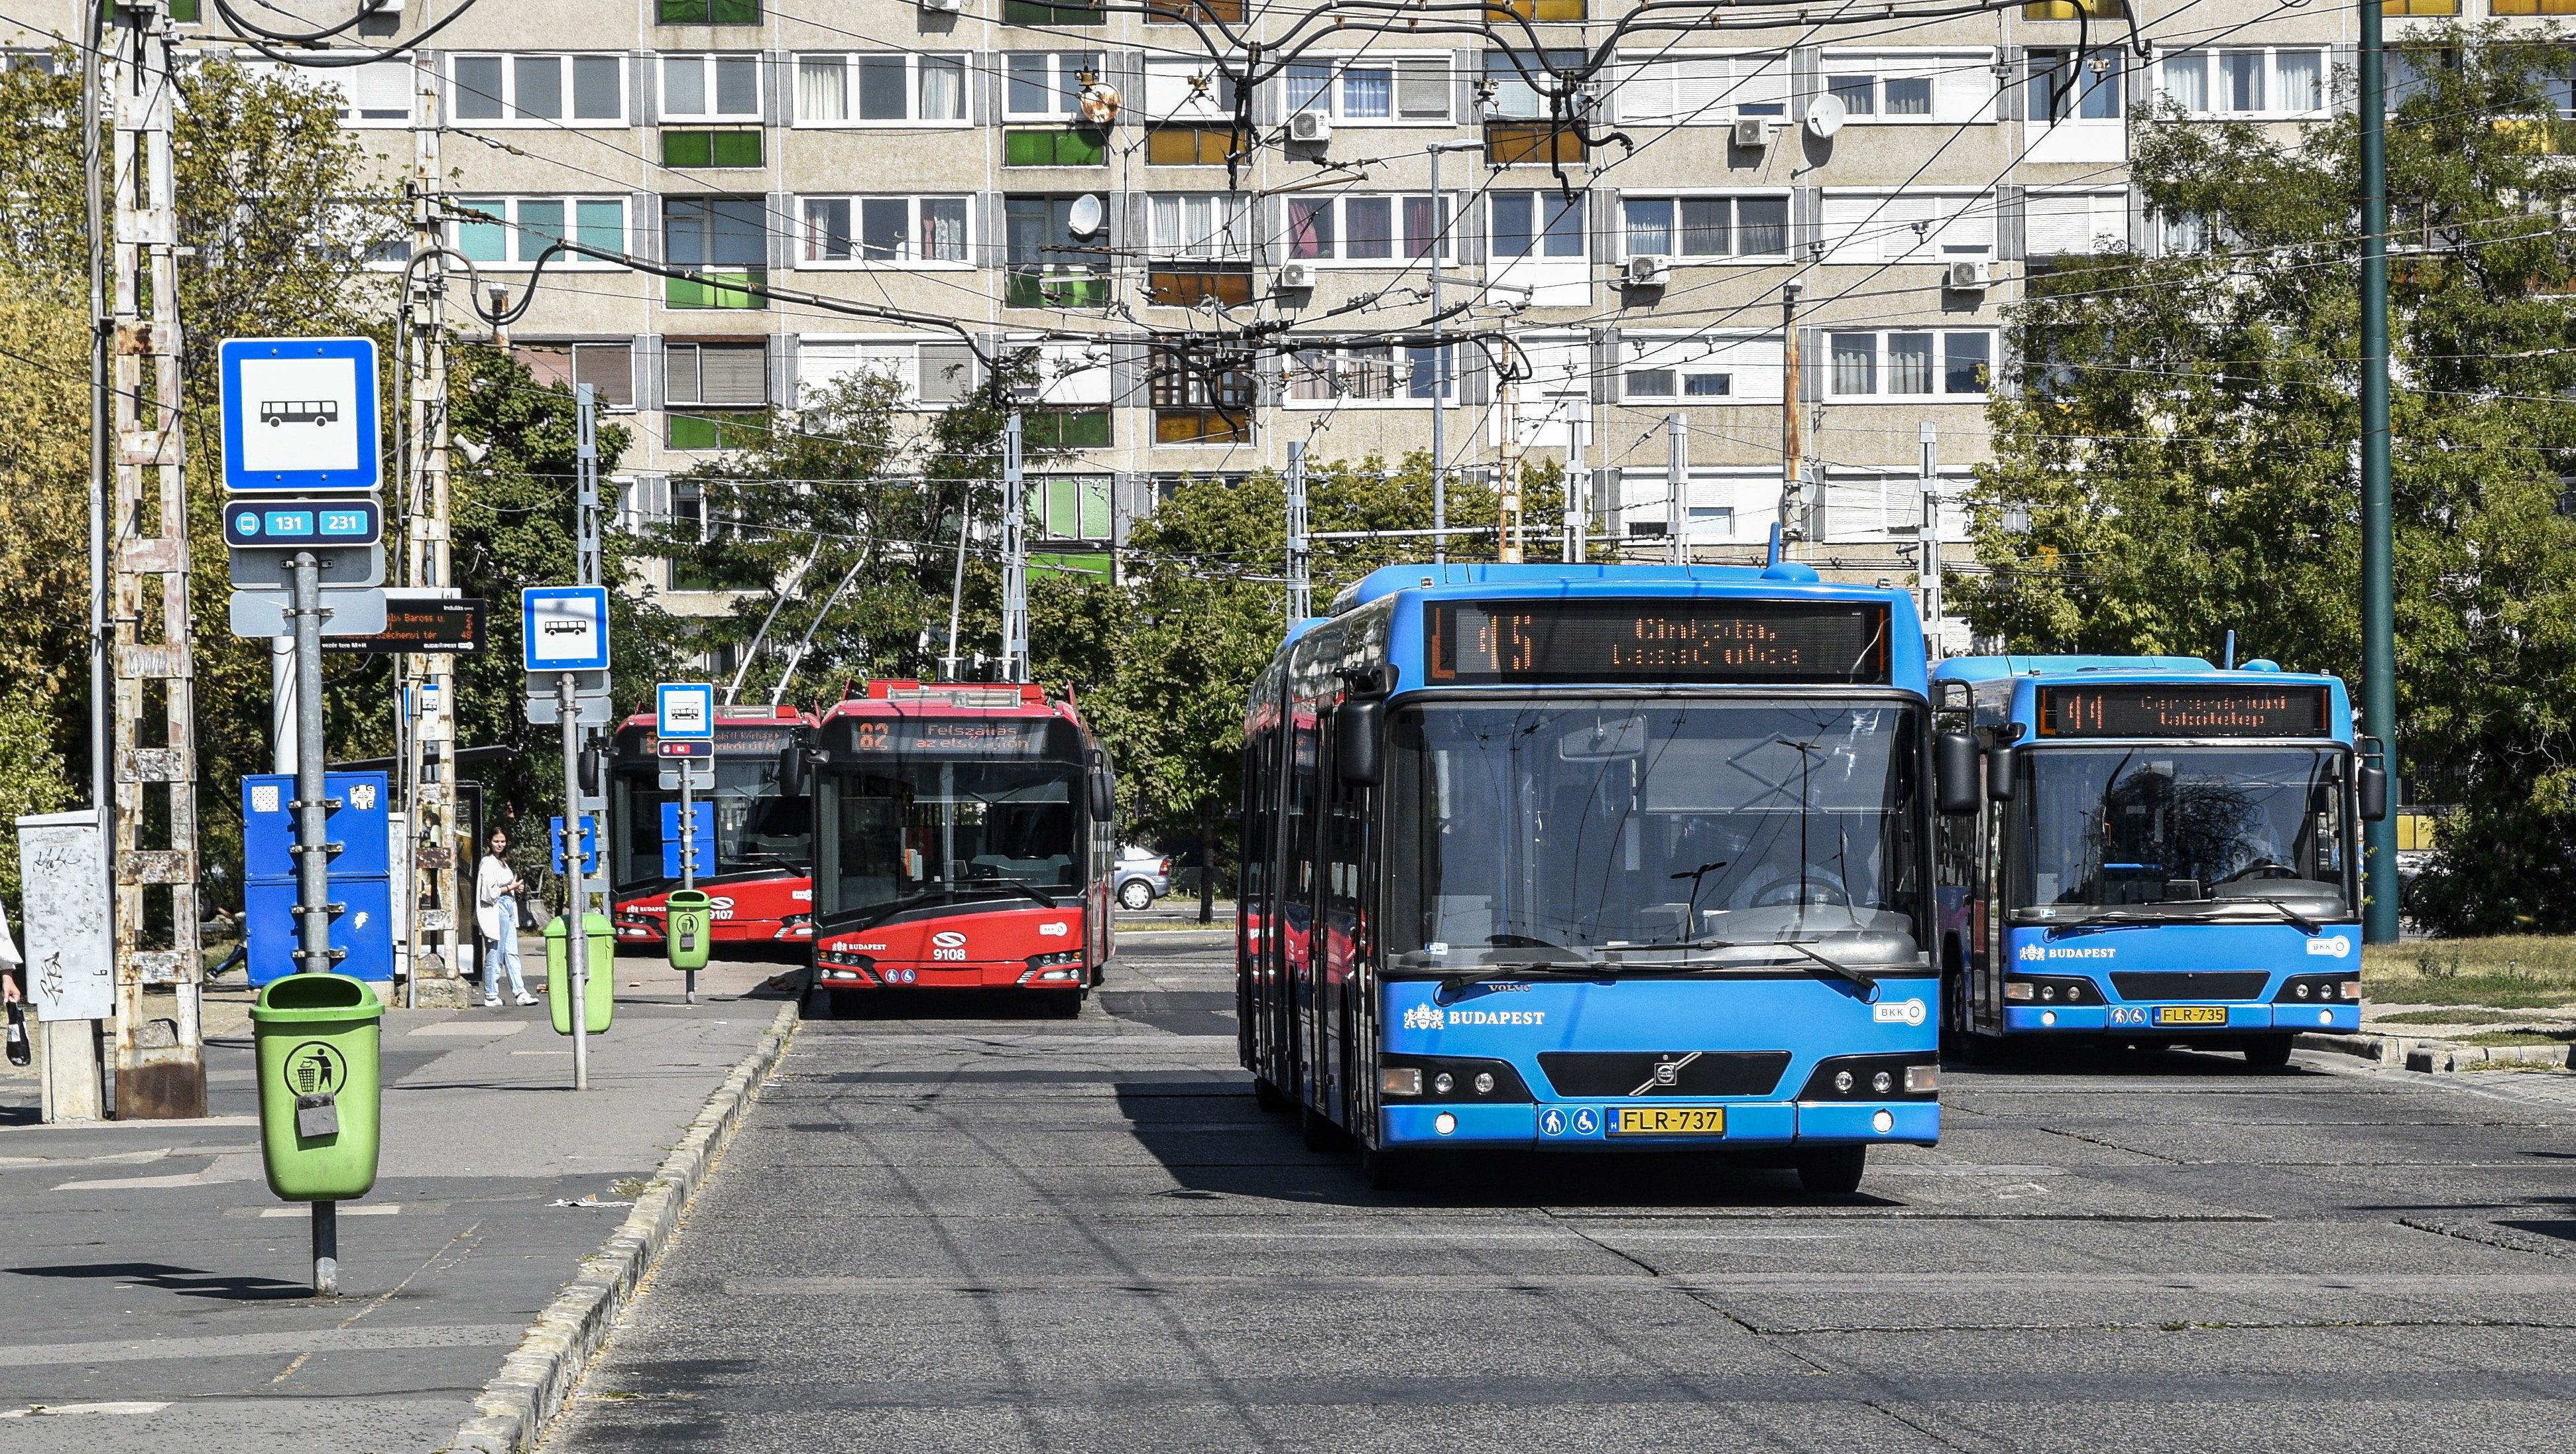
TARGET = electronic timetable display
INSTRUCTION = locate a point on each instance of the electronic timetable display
(979, 739)
(2183, 711)
(1655, 642)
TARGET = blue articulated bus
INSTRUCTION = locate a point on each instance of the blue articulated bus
(2168, 852)
(1595, 858)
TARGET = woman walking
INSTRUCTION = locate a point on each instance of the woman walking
(497, 887)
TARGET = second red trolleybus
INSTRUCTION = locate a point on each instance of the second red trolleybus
(963, 841)
(762, 882)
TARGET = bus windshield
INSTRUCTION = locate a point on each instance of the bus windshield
(905, 834)
(1629, 832)
(2189, 829)
(757, 830)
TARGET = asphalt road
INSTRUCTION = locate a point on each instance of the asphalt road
(973, 1231)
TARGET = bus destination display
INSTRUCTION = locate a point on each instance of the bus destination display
(2181, 711)
(1651, 642)
(1018, 740)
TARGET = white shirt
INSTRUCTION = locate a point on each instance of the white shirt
(493, 908)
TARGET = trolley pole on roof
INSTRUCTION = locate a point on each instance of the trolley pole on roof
(1301, 598)
(1015, 565)
(2378, 575)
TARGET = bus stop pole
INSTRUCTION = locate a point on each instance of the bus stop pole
(576, 921)
(313, 856)
(688, 857)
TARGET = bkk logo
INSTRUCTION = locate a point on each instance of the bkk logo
(1907, 1012)
(2332, 946)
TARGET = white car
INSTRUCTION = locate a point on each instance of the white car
(1142, 877)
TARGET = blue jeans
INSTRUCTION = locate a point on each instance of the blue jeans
(504, 953)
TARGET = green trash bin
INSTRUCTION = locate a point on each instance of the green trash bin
(603, 974)
(692, 920)
(321, 1107)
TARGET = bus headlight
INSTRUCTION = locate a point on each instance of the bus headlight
(1400, 1080)
(1449, 1078)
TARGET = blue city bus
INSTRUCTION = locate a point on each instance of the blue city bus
(2168, 853)
(1594, 858)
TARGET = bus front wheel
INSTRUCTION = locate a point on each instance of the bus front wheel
(2268, 1052)
(1267, 1097)
(1831, 1171)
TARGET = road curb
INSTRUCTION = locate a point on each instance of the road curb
(539, 1376)
(2437, 1056)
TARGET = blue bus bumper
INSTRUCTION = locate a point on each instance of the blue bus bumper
(2141, 1019)
(1584, 1125)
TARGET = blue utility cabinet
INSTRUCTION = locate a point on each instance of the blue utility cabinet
(360, 874)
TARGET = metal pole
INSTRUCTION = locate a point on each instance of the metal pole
(576, 897)
(1578, 483)
(1676, 518)
(2378, 569)
(313, 855)
(1015, 565)
(102, 426)
(1932, 604)
(1793, 446)
(688, 856)
(1439, 375)
(957, 586)
(281, 704)
(1301, 595)
(1507, 459)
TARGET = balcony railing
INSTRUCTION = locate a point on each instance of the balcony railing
(1173, 286)
(1190, 146)
(1542, 12)
(714, 431)
(717, 288)
(1070, 146)
(1056, 290)
(1519, 143)
(1200, 425)
(707, 12)
(1066, 429)
(702, 147)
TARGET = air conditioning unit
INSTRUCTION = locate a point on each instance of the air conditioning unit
(1966, 278)
(1752, 135)
(1649, 270)
(949, 6)
(1308, 126)
(1296, 277)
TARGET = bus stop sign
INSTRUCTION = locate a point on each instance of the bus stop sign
(300, 415)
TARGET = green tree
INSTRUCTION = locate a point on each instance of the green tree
(2179, 458)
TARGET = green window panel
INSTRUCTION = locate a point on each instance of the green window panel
(1087, 563)
(1066, 148)
(1067, 429)
(711, 148)
(715, 431)
(725, 289)
(1030, 290)
(708, 12)
(1036, 12)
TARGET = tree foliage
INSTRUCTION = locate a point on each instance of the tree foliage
(2180, 460)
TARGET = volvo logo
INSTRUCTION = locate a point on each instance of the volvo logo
(1667, 1072)
(948, 939)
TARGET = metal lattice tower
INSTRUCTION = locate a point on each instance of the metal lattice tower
(155, 781)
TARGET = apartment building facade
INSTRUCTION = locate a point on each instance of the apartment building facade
(960, 177)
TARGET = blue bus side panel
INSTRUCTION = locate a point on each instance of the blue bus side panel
(2277, 951)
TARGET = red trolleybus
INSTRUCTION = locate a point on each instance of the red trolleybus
(964, 842)
(763, 883)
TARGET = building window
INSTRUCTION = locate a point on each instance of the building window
(1200, 397)
(701, 148)
(609, 369)
(1071, 507)
(842, 90)
(1537, 225)
(1176, 12)
(1909, 226)
(1051, 267)
(537, 223)
(2067, 85)
(1708, 227)
(1191, 146)
(2059, 224)
(1911, 365)
(1914, 85)
(374, 95)
(2250, 82)
(1188, 90)
(2080, 10)
(1712, 522)
(718, 375)
(1364, 229)
(1679, 383)
(1037, 12)
(1702, 89)
(1397, 89)
(927, 374)
(710, 87)
(707, 12)
(1514, 80)
(1070, 146)
(1370, 373)
(1211, 225)
(894, 230)
(535, 88)
(1043, 83)
(727, 238)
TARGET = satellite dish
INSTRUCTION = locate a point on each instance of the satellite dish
(1086, 217)
(1825, 116)
(1100, 104)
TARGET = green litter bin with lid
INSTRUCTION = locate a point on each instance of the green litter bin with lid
(602, 987)
(692, 919)
(321, 1108)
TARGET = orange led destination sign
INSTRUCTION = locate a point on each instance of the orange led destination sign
(2168, 711)
(1838, 643)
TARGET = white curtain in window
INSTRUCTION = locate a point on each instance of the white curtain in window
(943, 88)
(2187, 81)
(2301, 74)
(822, 89)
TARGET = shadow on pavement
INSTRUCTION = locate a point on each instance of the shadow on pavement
(185, 1281)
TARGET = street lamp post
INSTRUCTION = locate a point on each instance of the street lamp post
(2378, 585)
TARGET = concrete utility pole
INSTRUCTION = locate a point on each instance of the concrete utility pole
(1931, 536)
(429, 756)
(1507, 488)
(1015, 563)
(1676, 475)
(1301, 596)
(152, 652)
(1440, 371)
(1578, 483)
(1793, 444)
(2378, 531)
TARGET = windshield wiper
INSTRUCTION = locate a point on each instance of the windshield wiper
(1532, 941)
(1836, 967)
(1019, 884)
(1450, 984)
(2310, 925)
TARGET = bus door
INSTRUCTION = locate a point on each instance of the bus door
(1340, 932)
(1295, 952)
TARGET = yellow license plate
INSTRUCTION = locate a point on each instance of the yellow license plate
(1669, 1121)
(2191, 1014)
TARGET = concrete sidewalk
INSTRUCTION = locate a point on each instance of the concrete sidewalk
(147, 1273)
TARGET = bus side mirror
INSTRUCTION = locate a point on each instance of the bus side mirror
(1104, 789)
(1954, 773)
(1999, 774)
(2372, 782)
(1355, 742)
(791, 771)
(590, 773)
